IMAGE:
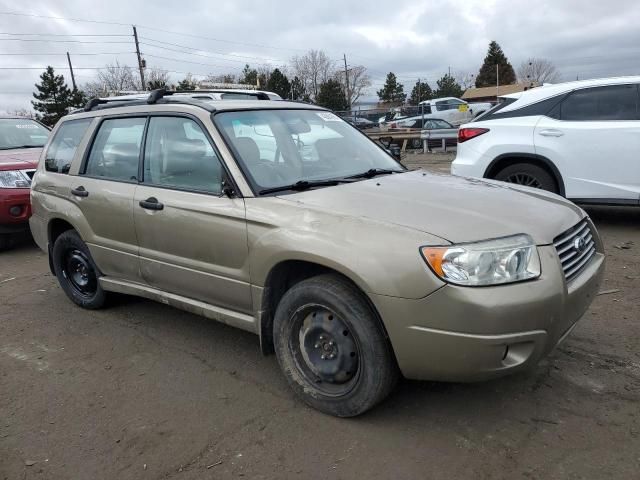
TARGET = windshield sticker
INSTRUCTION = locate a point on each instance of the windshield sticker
(26, 125)
(329, 117)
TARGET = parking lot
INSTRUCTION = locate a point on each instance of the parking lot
(142, 390)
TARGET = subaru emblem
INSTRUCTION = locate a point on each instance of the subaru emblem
(579, 244)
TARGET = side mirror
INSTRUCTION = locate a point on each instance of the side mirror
(227, 189)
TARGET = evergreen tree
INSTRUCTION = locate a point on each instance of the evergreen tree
(279, 83)
(392, 91)
(77, 99)
(187, 83)
(53, 98)
(487, 75)
(448, 87)
(297, 89)
(421, 91)
(331, 96)
(249, 75)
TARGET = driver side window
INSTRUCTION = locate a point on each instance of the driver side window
(179, 155)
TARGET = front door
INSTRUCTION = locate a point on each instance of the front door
(594, 140)
(104, 191)
(192, 238)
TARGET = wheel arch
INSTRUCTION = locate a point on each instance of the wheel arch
(506, 159)
(55, 228)
(282, 277)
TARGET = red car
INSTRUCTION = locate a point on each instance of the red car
(21, 141)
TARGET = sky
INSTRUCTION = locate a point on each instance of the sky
(414, 39)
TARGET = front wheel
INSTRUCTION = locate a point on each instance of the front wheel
(528, 175)
(332, 348)
(76, 271)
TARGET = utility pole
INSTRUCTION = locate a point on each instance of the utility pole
(140, 61)
(497, 80)
(73, 78)
(449, 71)
(346, 80)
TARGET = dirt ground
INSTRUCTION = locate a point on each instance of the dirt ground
(141, 390)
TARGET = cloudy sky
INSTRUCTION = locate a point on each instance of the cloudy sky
(415, 39)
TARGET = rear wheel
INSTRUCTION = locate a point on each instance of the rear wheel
(331, 347)
(528, 175)
(76, 271)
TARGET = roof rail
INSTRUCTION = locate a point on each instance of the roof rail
(94, 102)
(156, 95)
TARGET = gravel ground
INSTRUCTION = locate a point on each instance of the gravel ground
(141, 390)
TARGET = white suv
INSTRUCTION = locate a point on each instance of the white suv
(579, 139)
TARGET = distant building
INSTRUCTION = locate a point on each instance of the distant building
(491, 94)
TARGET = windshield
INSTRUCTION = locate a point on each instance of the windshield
(21, 133)
(282, 147)
(434, 124)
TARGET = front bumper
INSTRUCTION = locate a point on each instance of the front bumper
(468, 334)
(17, 199)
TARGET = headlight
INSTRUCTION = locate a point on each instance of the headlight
(14, 179)
(490, 262)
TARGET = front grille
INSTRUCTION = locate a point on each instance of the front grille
(575, 248)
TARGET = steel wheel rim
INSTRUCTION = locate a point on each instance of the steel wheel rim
(331, 363)
(77, 269)
(525, 179)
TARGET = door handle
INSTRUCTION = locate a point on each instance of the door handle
(551, 132)
(79, 192)
(151, 203)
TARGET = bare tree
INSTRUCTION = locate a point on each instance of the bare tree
(359, 82)
(157, 78)
(537, 70)
(313, 69)
(112, 80)
(21, 112)
(222, 78)
(465, 79)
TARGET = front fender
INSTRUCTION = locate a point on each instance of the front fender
(380, 258)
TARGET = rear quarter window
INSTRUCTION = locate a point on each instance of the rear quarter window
(64, 145)
(614, 102)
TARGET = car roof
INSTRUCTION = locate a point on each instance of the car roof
(537, 94)
(141, 105)
(189, 93)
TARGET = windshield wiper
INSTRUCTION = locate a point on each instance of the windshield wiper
(373, 172)
(303, 185)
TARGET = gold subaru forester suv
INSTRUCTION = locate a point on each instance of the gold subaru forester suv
(282, 219)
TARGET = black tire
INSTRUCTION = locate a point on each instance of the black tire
(327, 303)
(76, 271)
(529, 175)
(6, 241)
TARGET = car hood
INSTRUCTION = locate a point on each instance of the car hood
(456, 209)
(19, 158)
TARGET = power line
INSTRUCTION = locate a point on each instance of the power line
(48, 40)
(198, 49)
(65, 34)
(71, 53)
(20, 14)
(194, 63)
(151, 28)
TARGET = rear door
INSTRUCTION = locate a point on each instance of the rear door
(593, 137)
(104, 191)
(192, 237)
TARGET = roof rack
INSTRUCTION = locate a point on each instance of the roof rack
(155, 97)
